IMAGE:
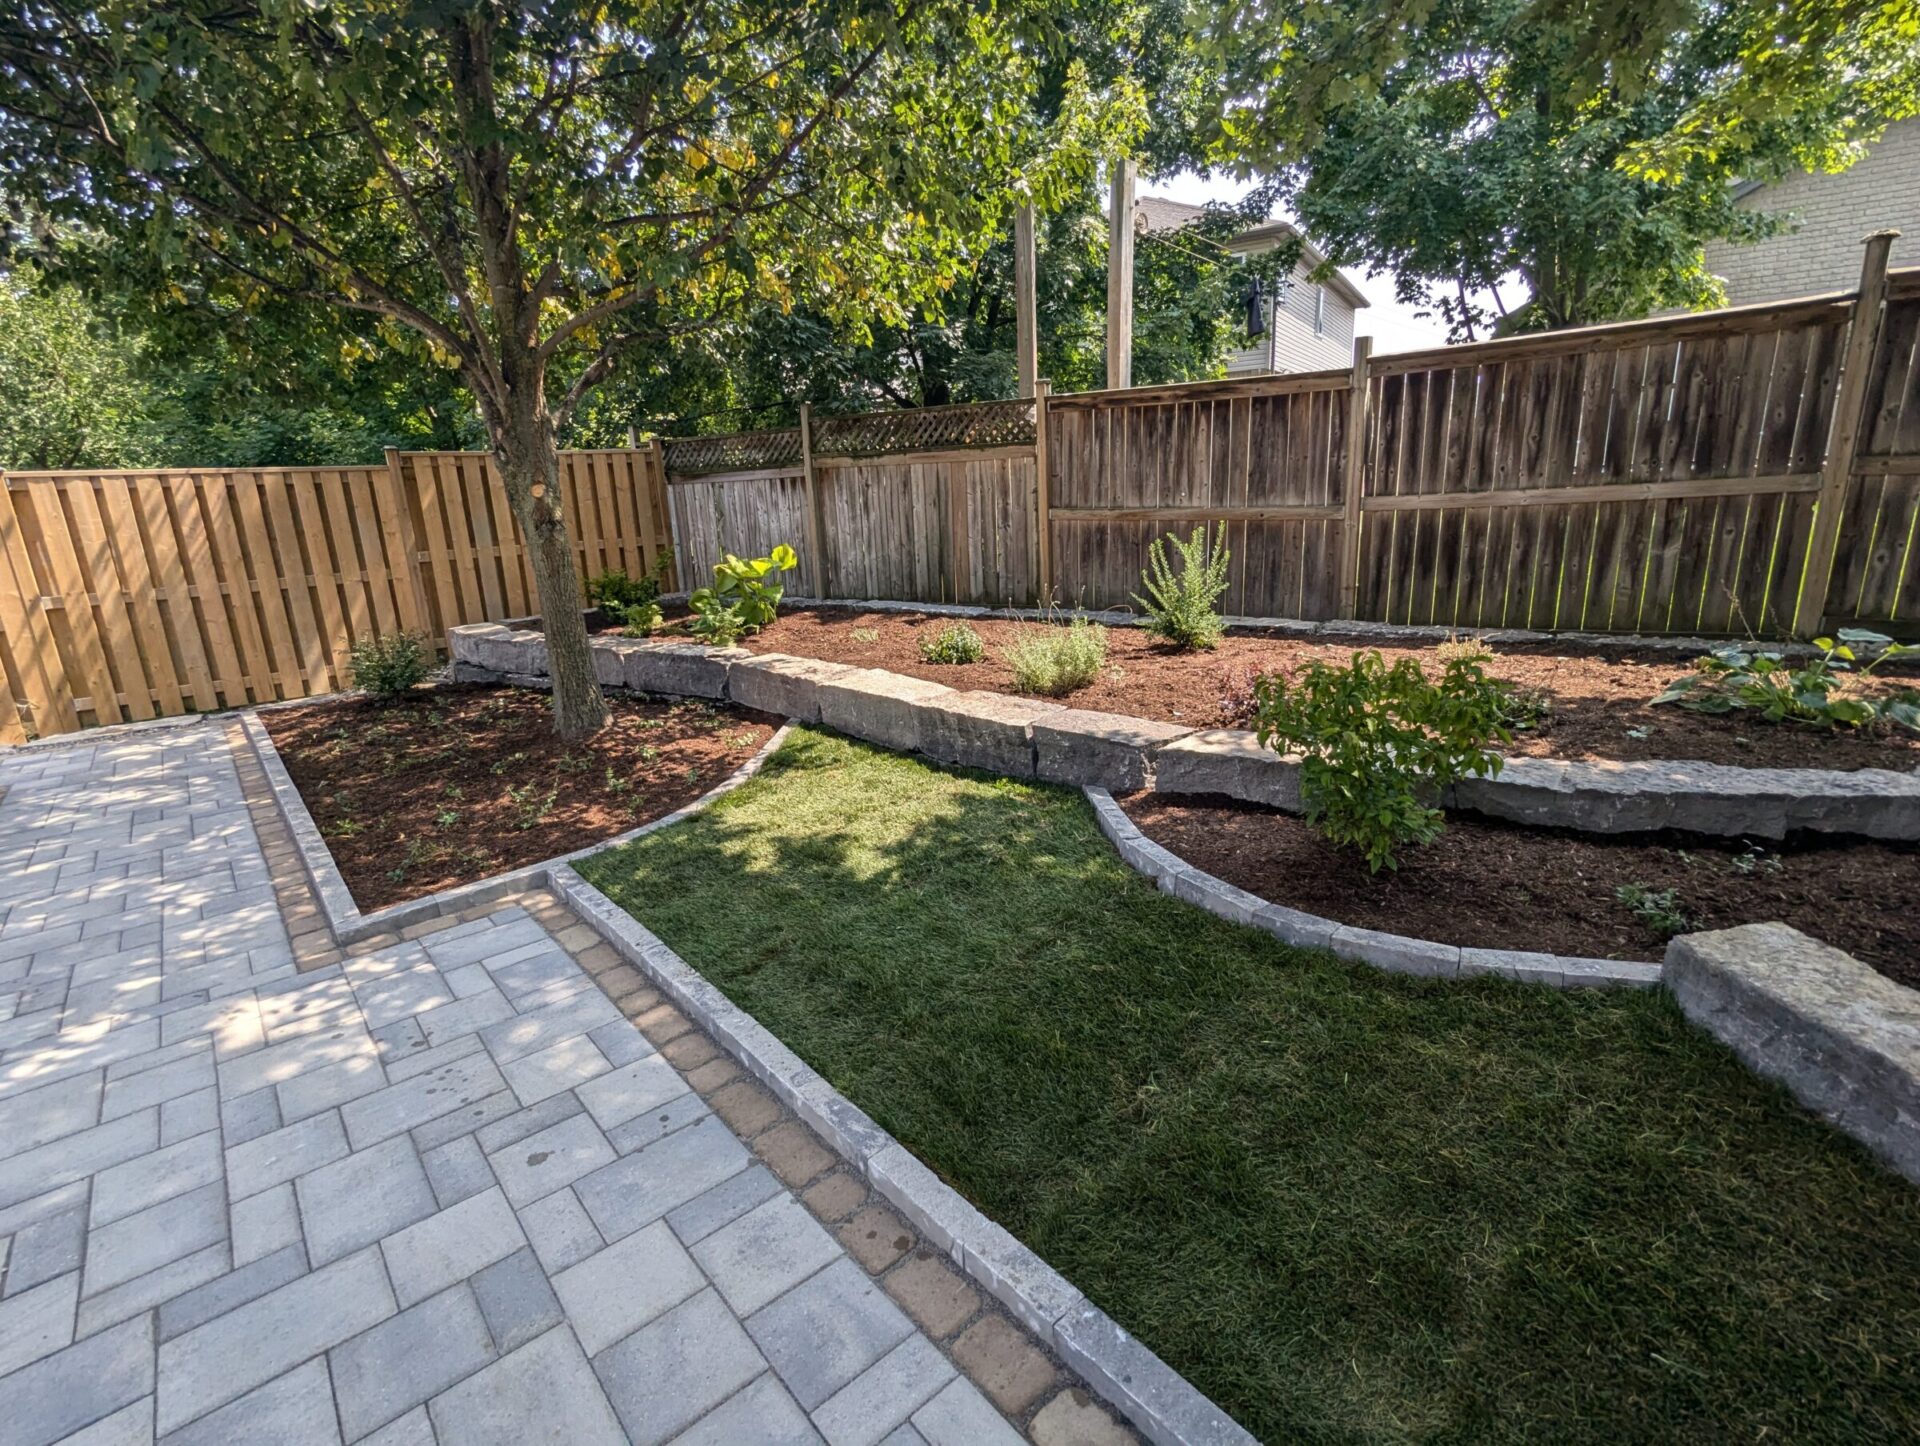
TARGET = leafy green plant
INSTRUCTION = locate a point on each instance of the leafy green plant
(641, 620)
(614, 591)
(1377, 743)
(531, 806)
(388, 664)
(1821, 691)
(866, 635)
(955, 643)
(743, 598)
(1182, 606)
(1055, 660)
(1658, 909)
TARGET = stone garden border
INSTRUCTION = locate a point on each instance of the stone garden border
(1161, 1403)
(348, 924)
(1036, 739)
(1395, 953)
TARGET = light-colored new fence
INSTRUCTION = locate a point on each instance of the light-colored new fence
(1751, 470)
(134, 595)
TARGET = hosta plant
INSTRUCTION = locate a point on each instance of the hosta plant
(1822, 691)
(1378, 743)
(744, 597)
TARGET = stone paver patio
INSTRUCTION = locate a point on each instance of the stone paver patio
(444, 1189)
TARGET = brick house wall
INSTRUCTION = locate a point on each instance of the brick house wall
(1834, 212)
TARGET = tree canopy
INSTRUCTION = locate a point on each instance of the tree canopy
(524, 193)
(1592, 148)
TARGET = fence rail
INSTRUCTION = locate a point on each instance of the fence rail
(1661, 476)
(140, 594)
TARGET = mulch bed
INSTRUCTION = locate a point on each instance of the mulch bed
(1501, 886)
(455, 784)
(1598, 697)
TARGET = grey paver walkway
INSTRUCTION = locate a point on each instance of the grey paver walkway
(442, 1191)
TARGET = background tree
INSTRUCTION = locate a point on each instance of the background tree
(1591, 148)
(520, 194)
(70, 394)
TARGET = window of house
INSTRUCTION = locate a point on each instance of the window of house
(1319, 311)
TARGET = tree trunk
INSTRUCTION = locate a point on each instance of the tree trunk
(529, 464)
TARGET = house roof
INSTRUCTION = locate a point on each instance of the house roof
(1160, 215)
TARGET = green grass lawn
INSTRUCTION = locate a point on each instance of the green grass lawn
(1347, 1206)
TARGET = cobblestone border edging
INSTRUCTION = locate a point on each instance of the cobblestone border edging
(1165, 1407)
(1034, 738)
(348, 924)
(1395, 953)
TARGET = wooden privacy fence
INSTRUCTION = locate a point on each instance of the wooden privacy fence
(135, 595)
(1753, 470)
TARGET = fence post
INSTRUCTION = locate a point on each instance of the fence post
(816, 518)
(410, 544)
(1043, 489)
(1353, 478)
(1849, 406)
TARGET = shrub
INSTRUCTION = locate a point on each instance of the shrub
(614, 592)
(742, 599)
(388, 665)
(955, 643)
(1181, 607)
(1052, 661)
(1823, 691)
(1377, 743)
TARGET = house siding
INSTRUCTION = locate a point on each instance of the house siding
(1834, 212)
(1294, 345)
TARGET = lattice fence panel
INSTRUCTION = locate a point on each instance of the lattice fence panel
(736, 452)
(925, 429)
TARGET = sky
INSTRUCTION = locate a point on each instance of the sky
(1391, 323)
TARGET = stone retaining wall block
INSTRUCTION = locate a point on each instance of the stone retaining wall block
(1099, 750)
(1228, 761)
(691, 670)
(878, 706)
(1842, 1037)
(784, 686)
(993, 731)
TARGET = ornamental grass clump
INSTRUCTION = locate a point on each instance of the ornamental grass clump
(1377, 744)
(1183, 606)
(1054, 661)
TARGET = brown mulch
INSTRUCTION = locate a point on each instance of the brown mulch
(1598, 698)
(1501, 886)
(461, 783)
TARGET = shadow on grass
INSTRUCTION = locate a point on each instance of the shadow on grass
(1345, 1205)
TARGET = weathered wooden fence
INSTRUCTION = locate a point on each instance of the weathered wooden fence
(134, 595)
(937, 504)
(1753, 470)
